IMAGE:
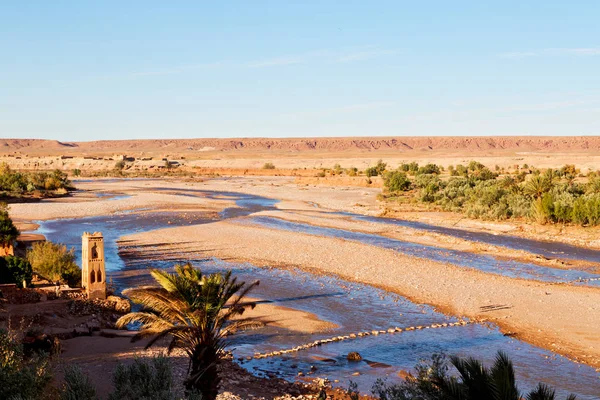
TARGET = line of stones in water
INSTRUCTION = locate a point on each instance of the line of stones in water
(352, 336)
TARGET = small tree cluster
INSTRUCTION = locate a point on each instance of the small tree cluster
(18, 183)
(549, 196)
(377, 169)
(53, 261)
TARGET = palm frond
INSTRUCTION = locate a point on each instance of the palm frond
(541, 392)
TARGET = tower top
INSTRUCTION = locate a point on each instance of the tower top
(95, 234)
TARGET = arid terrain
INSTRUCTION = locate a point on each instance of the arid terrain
(492, 275)
(310, 153)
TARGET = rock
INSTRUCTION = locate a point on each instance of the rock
(120, 304)
(354, 356)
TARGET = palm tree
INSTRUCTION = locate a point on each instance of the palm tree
(197, 312)
(479, 382)
(538, 185)
(496, 383)
(543, 392)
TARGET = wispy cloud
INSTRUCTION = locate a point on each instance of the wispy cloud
(575, 51)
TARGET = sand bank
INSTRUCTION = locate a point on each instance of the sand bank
(562, 318)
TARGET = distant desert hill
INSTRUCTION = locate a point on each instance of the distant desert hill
(355, 145)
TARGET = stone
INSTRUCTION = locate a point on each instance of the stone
(354, 356)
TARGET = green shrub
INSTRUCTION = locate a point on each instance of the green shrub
(143, 380)
(15, 270)
(548, 196)
(26, 377)
(78, 385)
(8, 231)
(460, 170)
(376, 170)
(55, 262)
(475, 166)
(396, 181)
(352, 171)
(18, 183)
(543, 209)
(429, 169)
(268, 166)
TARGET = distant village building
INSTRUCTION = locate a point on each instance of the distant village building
(93, 271)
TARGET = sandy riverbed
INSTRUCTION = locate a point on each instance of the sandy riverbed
(561, 318)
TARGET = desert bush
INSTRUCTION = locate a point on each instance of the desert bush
(377, 169)
(396, 181)
(119, 165)
(8, 230)
(76, 172)
(484, 174)
(352, 171)
(15, 270)
(460, 170)
(411, 168)
(143, 380)
(593, 185)
(475, 166)
(543, 209)
(78, 385)
(55, 262)
(268, 166)
(19, 375)
(429, 169)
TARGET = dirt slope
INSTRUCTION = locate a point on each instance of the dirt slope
(311, 145)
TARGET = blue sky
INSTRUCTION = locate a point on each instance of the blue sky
(83, 70)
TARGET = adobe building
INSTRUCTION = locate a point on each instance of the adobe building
(93, 271)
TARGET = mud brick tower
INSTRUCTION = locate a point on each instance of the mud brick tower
(93, 272)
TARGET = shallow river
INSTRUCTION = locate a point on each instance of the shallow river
(353, 307)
